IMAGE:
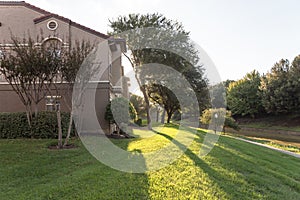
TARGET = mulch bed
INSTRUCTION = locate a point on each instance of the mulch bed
(69, 146)
(121, 136)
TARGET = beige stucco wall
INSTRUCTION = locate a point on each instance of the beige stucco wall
(9, 100)
(18, 20)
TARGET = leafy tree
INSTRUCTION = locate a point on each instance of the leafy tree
(172, 36)
(280, 88)
(244, 97)
(139, 105)
(119, 112)
(36, 71)
(72, 62)
(218, 94)
(209, 115)
(195, 76)
(30, 71)
(294, 83)
(68, 61)
(165, 98)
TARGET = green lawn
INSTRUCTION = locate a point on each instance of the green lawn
(266, 126)
(292, 147)
(233, 170)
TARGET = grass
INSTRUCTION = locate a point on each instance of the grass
(233, 170)
(280, 131)
(263, 125)
(274, 122)
(292, 147)
(285, 141)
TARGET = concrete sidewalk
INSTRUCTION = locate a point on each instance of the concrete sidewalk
(270, 147)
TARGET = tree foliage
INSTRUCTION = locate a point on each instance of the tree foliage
(280, 88)
(30, 70)
(208, 116)
(119, 112)
(218, 94)
(42, 68)
(139, 105)
(244, 97)
(165, 98)
(176, 51)
(276, 92)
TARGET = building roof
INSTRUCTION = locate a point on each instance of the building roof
(48, 15)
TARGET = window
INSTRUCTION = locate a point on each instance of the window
(52, 25)
(53, 103)
(53, 46)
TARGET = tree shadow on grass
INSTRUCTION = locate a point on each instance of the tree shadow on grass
(123, 185)
(227, 170)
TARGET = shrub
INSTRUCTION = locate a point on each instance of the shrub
(139, 122)
(15, 125)
(229, 122)
(120, 110)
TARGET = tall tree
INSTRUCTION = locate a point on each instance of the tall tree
(295, 82)
(171, 36)
(139, 105)
(280, 88)
(120, 111)
(165, 98)
(218, 93)
(244, 96)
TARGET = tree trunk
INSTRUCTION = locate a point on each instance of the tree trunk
(149, 123)
(117, 129)
(169, 117)
(35, 110)
(144, 93)
(69, 130)
(29, 119)
(143, 89)
(157, 114)
(59, 129)
(163, 116)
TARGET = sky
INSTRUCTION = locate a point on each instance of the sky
(238, 35)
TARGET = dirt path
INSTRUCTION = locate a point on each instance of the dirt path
(269, 147)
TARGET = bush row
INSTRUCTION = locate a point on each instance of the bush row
(15, 125)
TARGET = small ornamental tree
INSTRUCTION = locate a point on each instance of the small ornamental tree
(29, 70)
(43, 68)
(119, 112)
(229, 122)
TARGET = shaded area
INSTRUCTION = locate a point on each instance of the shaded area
(28, 170)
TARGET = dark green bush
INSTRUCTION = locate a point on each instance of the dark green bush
(14, 125)
(139, 122)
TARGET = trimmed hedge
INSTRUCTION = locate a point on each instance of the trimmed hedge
(15, 125)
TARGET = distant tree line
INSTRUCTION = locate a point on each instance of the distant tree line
(276, 92)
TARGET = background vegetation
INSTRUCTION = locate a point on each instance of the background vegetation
(274, 93)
